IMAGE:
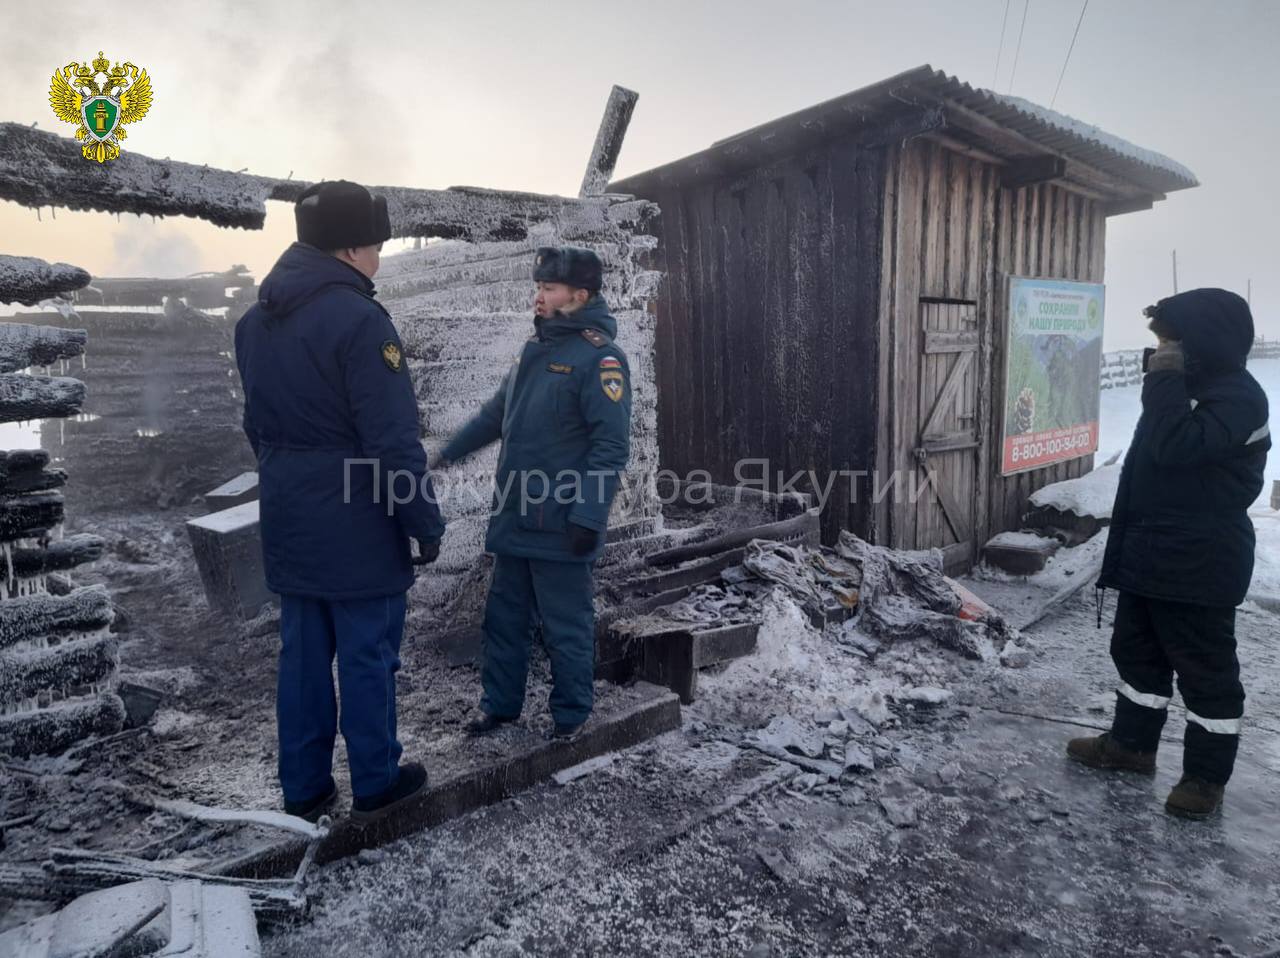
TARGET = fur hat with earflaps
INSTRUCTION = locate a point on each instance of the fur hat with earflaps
(338, 214)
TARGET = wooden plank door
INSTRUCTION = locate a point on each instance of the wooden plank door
(946, 451)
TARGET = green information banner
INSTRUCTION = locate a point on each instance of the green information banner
(1053, 361)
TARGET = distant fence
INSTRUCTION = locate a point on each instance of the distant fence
(1124, 366)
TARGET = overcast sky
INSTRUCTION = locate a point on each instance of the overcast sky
(509, 95)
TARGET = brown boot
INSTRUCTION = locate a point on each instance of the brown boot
(1101, 751)
(1194, 798)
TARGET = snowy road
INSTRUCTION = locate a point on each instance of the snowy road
(692, 845)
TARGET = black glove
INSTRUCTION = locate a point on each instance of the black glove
(582, 541)
(428, 552)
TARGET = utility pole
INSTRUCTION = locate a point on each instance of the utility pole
(1175, 272)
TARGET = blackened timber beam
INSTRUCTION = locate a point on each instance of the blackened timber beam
(23, 345)
(38, 168)
(38, 731)
(85, 661)
(613, 129)
(27, 280)
(15, 461)
(38, 397)
(22, 516)
(1036, 169)
(64, 554)
(206, 291)
(31, 616)
(32, 480)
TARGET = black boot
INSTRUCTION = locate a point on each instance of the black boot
(1102, 751)
(567, 733)
(311, 809)
(1194, 798)
(487, 723)
(408, 787)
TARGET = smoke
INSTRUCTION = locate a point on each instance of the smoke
(143, 248)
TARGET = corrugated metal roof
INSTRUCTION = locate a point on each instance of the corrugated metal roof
(1037, 129)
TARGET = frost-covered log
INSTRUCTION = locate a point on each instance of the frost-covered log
(27, 280)
(33, 616)
(38, 397)
(14, 461)
(24, 516)
(203, 290)
(38, 168)
(57, 556)
(36, 731)
(26, 672)
(34, 480)
(23, 345)
(613, 128)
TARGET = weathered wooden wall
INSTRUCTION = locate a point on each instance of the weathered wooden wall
(952, 232)
(766, 331)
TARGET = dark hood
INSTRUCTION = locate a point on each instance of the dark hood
(593, 315)
(1214, 325)
(300, 273)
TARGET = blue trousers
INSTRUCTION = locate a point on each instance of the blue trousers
(365, 634)
(523, 594)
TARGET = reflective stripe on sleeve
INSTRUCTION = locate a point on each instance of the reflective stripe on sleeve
(1145, 699)
(1260, 433)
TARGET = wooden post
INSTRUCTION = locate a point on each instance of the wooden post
(604, 155)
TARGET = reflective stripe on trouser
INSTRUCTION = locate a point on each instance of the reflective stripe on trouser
(365, 635)
(558, 596)
(1152, 641)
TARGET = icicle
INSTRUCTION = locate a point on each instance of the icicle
(38, 219)
(84, 355)
(62, 432)
(8, 561)
(62, 367)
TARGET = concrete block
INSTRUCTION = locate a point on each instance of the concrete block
(1019, 553)
(235, 492)
(228, 551)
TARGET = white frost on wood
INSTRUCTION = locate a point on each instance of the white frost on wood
(28, 280)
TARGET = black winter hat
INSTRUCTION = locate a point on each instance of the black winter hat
(570, 265)
(338, 214)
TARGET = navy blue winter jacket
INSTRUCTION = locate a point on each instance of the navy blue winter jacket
(563, 413)
(1180, 530)
(327, 390)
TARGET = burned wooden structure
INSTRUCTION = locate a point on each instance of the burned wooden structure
(161, 421)
(834, 308)
(57, 655)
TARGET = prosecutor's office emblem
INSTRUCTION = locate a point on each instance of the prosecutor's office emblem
(100, 110)
(611, 378)
(391, 356)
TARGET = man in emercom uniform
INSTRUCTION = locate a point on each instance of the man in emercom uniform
(563, 413)
(1180, 549)
(331, 415)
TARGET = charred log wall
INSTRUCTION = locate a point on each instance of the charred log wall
(58, 657)
(162, 420)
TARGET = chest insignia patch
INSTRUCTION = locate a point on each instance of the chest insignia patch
(559, 368)
(392, 357)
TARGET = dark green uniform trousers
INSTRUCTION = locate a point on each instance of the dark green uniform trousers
(524, 594)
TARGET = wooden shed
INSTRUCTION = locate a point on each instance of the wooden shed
(834, 297)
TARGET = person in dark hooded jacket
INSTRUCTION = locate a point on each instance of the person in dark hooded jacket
(331, 415)
(1181, 544)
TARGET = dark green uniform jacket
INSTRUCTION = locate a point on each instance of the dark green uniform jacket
(563, 413)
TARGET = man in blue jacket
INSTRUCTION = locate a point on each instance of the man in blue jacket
(563, 413)
(1180, 548)
(331, 415)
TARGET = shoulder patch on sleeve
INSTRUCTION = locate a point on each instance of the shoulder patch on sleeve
(596, 338)
(392, 357)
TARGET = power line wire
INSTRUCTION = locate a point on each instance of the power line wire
(995, 76)
(1069, 49)
(1026, 4)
